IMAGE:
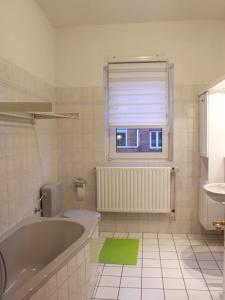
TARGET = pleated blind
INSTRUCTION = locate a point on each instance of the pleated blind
(137, 94)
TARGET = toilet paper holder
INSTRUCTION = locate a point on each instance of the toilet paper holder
(80, 182)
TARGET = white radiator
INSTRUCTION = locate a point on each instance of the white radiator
(130, 189)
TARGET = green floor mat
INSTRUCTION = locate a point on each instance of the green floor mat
(119, 251)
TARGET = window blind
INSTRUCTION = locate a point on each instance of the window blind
(137, 94)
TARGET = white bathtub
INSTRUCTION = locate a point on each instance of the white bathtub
(50, 258)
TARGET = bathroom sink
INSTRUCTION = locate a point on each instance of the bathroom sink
(216, 191)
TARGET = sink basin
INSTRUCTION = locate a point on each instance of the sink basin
(216, 191)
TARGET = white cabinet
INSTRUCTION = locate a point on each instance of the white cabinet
(212, 153)
(203, 111)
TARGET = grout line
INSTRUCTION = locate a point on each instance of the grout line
(164, 294)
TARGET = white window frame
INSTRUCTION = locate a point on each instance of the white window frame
(124, 130)
(113, 155)
(167, 131)
(127, 146)
(157, 147)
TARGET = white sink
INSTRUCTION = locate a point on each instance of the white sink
(216, 191)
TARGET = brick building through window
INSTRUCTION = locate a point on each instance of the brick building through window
(138, 140)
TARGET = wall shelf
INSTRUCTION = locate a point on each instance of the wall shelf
(35, 116)
(32, 111)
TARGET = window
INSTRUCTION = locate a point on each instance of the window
(127, 139)
(138, 107)
(155, 140)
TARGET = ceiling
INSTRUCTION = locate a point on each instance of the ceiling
(84, 12)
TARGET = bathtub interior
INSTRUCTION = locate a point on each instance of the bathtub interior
(33, 246)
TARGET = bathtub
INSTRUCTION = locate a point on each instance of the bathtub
(50, 258)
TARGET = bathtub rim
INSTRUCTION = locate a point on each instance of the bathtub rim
(38, 280)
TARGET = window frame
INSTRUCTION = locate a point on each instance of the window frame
(125, 131)
(157, 139)
(127, 146)
(167, 131)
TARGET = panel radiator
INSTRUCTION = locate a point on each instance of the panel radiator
(134, 189)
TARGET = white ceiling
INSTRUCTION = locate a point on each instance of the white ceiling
(83, 12)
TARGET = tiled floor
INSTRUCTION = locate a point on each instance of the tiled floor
(169, 267)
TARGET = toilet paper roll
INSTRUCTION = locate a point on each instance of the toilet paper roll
(80, 193)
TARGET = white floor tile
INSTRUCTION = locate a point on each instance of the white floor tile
(170, 263)
(195, 236)
(138, 264)
(217, 295)
(204, 256)
(172, 273)
(113, 265)
(112, 271)
(213, 243)
(151, 263)
(192, 273)
(150, 235)
(216, 248)
(197, 242)
(105, 234)
(218, 255)
(180, 236)
(184, 249)
(175, 295)
(173, 283)
(211, 236)
(132, 271)
(195, 284)
(150, 242)
(220, 263)
(215, 284)
(200, 249)
(151, 272)
(168, 255)
(151, 248)
(151, 254)
(130, 282)
(169, 248)
(199, 295)
(182, 242)
(129, 294)
(207, 264)
(154, 294)
(186, 255)
(165, 236)
(212, 274)
(110, 281)
(135, 235)
(152, 283)
(120, 235)
(166, 242)
(106, 293)
(188, 264)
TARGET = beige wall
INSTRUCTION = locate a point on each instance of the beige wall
(27, 38)
(196, 48)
